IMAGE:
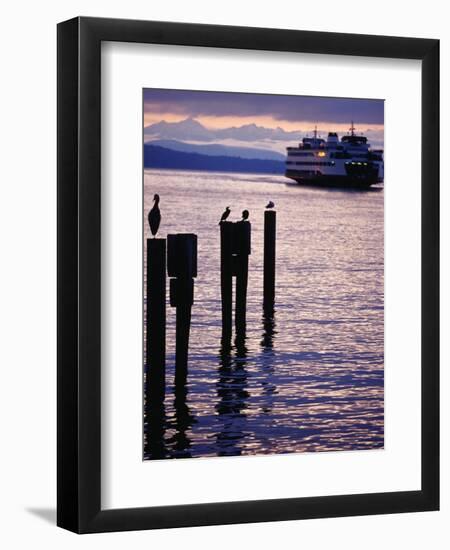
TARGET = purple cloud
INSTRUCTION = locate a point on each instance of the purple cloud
(280, 107)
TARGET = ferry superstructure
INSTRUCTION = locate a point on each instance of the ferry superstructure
(350, 162)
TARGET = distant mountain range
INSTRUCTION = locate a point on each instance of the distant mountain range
(156, 156)
(216, 149)
(191, 129)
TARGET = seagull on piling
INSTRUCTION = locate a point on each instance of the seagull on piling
(225, 214)
(245, 215)
(270, 204)
(154, 216)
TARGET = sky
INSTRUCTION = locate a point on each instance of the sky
(256, 120)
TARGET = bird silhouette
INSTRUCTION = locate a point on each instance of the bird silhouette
(154, 216)
(225, 214)
(270, 204)
(245, 215)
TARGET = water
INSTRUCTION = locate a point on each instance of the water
(310, 378)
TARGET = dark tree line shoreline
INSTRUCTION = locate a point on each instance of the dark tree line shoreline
(162, 158)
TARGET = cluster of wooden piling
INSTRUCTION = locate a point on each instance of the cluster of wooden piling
(176, 258)
(235, 248)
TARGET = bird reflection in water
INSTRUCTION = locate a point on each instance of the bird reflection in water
(233, 396)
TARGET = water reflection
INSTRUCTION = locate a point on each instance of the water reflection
(269, 389)
(154, 431)
(232, 398)
(180, 442)
(306, 377)
(268, 322)
(167, 436)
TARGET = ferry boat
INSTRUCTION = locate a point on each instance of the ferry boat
(350, 162)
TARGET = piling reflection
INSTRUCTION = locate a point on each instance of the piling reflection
(154, 431)
(268, 335)
(180, 443)
(232, 398)
(269, 389)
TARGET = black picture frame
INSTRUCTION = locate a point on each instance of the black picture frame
(79, 280)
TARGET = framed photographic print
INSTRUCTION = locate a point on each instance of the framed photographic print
(248, 290)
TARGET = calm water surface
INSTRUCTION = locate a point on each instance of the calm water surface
(308, 379)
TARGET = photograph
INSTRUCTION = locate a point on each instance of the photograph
(263, 257)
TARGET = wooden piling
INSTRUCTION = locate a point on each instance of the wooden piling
(241, 249)
(156, 321)
(241, 294)
(226, 277)
(183, 326)
(182, 266)
(270, 217)
(181, 297)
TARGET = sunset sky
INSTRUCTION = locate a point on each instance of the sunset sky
(256, 120)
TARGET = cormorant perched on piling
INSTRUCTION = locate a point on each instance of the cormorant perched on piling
(154, 216)
(270, 204)
(245, 215)
(225, 214)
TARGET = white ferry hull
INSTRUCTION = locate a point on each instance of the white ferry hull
(362, 180)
